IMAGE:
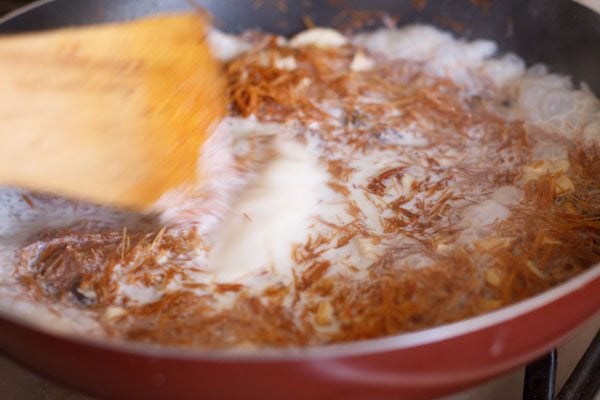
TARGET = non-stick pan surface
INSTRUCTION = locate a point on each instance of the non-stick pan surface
(559, 33)
(424, 364)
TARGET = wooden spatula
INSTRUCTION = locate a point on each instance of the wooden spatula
(114, 114)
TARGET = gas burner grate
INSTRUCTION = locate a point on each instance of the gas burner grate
(583, 384)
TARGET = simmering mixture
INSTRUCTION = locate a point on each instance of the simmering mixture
(381, 183)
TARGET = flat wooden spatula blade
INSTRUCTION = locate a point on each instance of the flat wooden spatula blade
(115, 114)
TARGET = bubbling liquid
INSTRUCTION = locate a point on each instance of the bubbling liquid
(361, 186)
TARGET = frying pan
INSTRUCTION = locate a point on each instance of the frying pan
(419, 365)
